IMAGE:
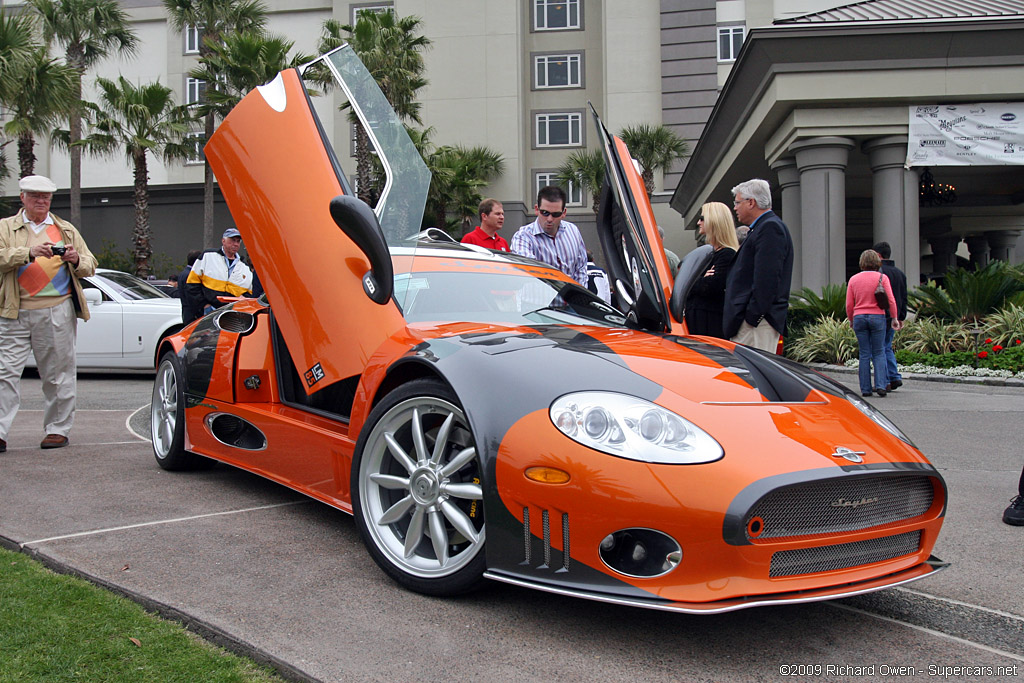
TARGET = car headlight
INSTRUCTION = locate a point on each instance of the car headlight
(877, 417)
(632, 428)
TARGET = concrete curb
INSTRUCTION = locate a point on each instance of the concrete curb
(206, 631)
(975, 381)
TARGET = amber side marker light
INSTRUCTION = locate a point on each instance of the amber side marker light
(547, 475)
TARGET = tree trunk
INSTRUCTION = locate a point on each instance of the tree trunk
(648, 176)
(26, 154)
(597, 202)
(141, 236)
(363, 173)
(76, 59)
(209, 234)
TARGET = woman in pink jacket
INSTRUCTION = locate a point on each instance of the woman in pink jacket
(869, 320)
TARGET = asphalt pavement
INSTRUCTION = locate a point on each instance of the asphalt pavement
(268, 573)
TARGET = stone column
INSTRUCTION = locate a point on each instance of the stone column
(895, 197)
(1002, 244)
(822, 165)
(978, 246)
(943, 254)
(789, 184)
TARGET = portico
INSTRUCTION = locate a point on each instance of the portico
(821, 112)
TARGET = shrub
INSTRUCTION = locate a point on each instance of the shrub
(1006, 325)
(109, 257)
(932, 335)
(967, 296)
(806, 306)
(827, 340)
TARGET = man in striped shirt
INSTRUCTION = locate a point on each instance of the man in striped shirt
(552, 240)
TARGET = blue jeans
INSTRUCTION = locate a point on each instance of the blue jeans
(891, 372)
(870, 331)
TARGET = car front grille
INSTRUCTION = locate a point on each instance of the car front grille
(843, 555)
(838, 505)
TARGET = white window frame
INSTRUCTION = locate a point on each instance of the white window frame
(195, 88)
(730, 33)
(542, 122)
(198, 158)
(574, 194)
(573, 7)
(542, 70)
(193, 37)
(376, 7)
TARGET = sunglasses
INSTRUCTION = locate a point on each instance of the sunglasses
(553, 214)
(700, 218)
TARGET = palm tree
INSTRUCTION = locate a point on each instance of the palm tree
(586, 170)
(88, 30)
(239, 63)
(216, 19)
(46, 95)
(17, 44)
(391, 51)
(139, 120)
(459, 174)
(655, 147)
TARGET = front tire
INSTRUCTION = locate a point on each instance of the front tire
(416, 491)
(167, 418)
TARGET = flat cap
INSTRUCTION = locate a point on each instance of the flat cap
(36, 183)
(231, 232)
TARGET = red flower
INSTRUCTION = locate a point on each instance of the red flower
(1017, 342)
(989, 340)
(997, 348)
(983, 354)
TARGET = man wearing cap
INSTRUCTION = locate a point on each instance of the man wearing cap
(42, 258)
(219, 272)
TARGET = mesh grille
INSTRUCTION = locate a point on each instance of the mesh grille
(835, 505)
(233, 321)
(831, 557)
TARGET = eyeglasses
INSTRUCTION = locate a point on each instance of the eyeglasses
(553, 214)
(737, 202)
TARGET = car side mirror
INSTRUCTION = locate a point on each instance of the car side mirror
(93, 296)
(357, 220)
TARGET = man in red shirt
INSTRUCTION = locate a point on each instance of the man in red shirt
(492, 217)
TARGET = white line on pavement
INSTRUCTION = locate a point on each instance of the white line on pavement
(163, 521)
(940, 634)
(931, 596)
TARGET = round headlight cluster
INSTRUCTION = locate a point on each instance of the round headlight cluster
(632, 428)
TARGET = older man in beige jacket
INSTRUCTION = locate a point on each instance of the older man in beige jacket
(41, 259)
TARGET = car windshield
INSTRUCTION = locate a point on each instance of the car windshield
(501, 298)
(129, 286)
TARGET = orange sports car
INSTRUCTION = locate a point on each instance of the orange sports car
(484, 417)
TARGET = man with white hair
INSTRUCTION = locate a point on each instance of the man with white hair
(757, 291)
(42, 258)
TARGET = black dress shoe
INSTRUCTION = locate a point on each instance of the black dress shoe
(895, 384)
(3, 446)
(880, 392)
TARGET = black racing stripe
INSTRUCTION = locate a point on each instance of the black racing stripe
(199, 355)
(727, 359)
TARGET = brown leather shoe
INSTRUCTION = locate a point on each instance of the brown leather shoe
(54, 441)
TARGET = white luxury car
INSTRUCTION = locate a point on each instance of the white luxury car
(127, 317)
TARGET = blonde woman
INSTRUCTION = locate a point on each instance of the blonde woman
(704, 303)
(869, 320)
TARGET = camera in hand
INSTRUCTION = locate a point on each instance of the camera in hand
(58, 251)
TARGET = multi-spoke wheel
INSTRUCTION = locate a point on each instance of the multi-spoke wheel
(167, 418)
(417, 493)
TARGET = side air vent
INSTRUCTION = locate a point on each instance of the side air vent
(546, 550)
(233, 431)
(235, 321)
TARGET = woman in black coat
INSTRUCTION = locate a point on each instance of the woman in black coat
(706, 297)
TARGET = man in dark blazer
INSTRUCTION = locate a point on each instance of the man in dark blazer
(898, 282)
(757, 291)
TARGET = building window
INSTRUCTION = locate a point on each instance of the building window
(559, 129)
(556, 15)
(197, 156)
(195, 91)
(193, 39)
(730, 40)
(374, 7)
(545, 178)
(557, 71)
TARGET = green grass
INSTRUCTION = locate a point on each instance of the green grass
(61, 628)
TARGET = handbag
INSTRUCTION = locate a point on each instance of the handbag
(881, 298)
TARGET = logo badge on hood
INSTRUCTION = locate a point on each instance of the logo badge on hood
(851, 455)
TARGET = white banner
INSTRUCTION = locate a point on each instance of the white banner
(990, 134)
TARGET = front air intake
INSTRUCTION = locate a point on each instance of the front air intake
(829, 558)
